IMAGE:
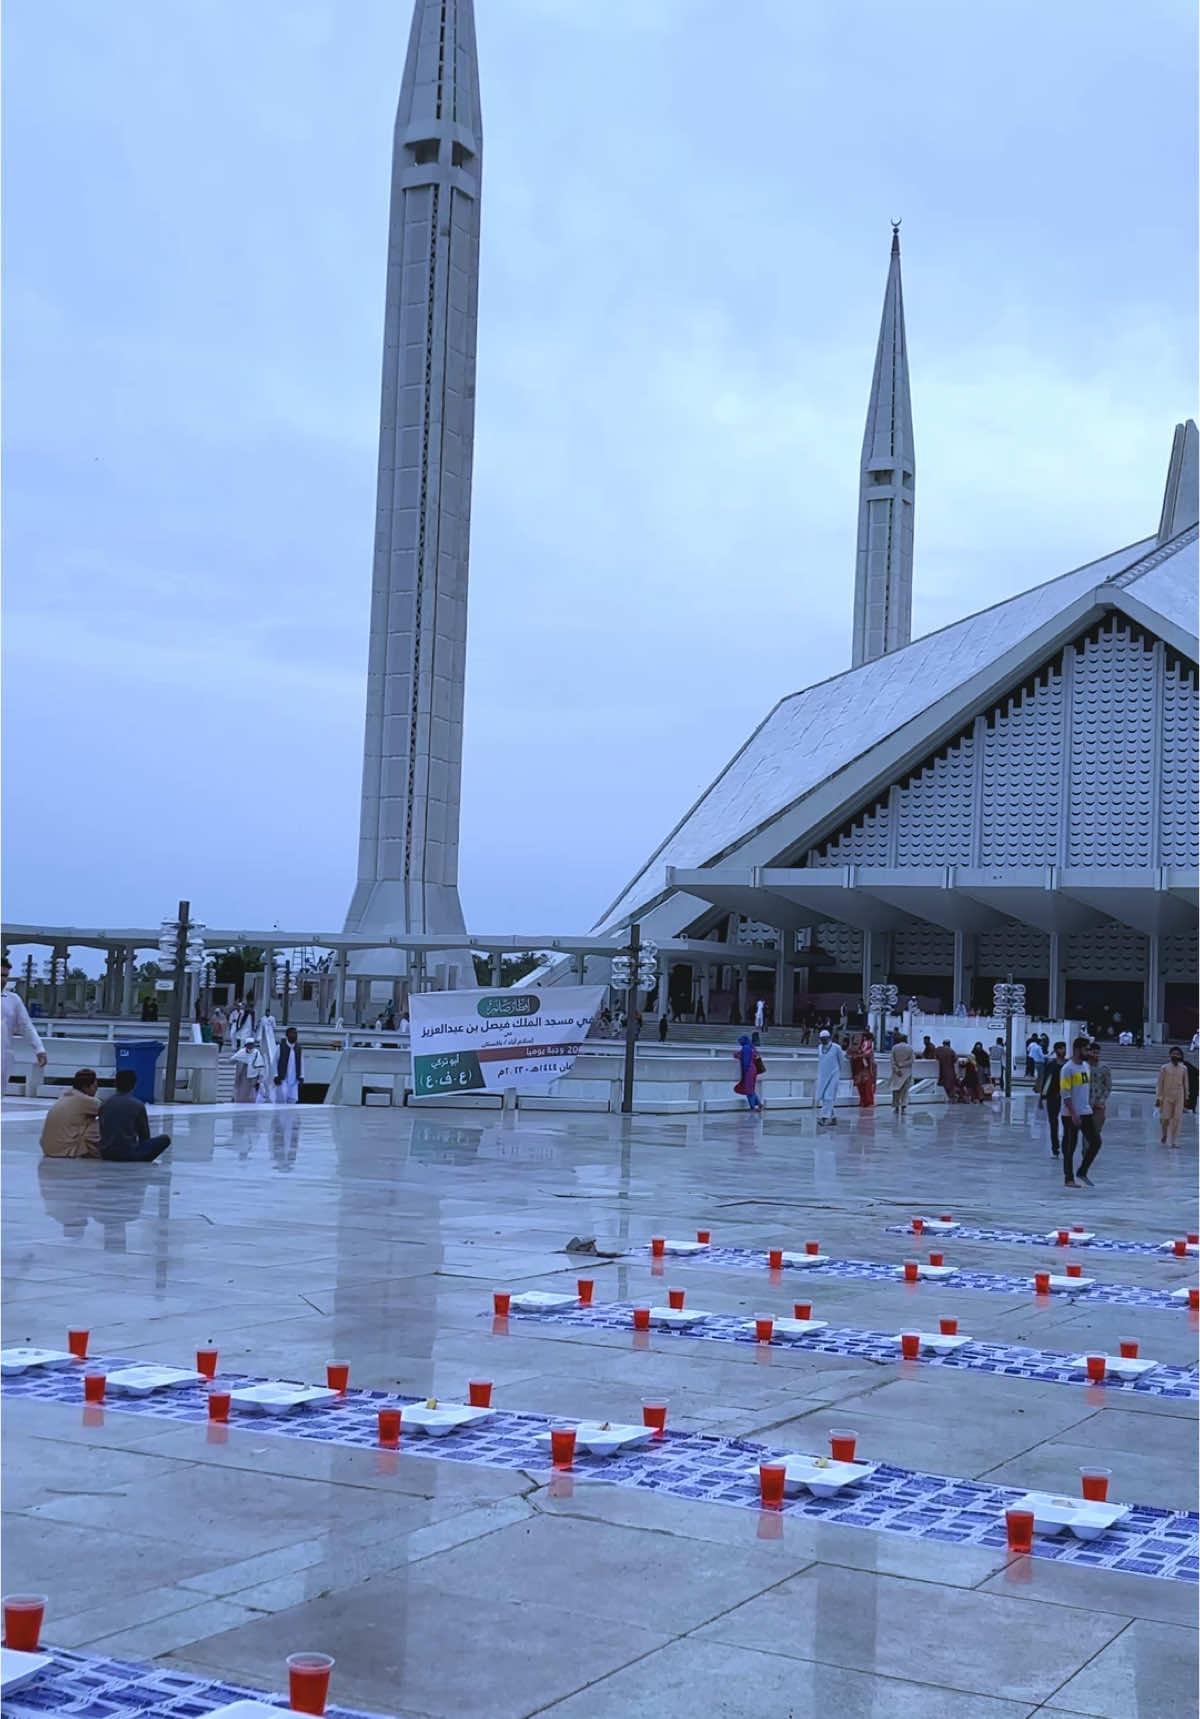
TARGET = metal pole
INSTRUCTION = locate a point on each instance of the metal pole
(287, 986)
(631, 997)
(181, 943)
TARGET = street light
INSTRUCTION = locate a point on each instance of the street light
(883, 1000)
(633, 970)
(1008, 1001)
(181, 945)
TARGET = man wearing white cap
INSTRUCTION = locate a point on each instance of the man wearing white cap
(830, 1068)
(14, 1024)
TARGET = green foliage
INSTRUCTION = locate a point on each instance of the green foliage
(233, 964)
(513, 968)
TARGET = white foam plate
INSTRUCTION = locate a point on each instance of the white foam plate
(140, 1381)
(18, 1669)
(246, 1710)
(936, 1227)
(446, 1418)
(542, 1301)
(1125, 1367)
(1079, 1238)
(821, 1475)
(677, 1318)
(1169, 1248)
(796, 1327)
(933, 1343)
(803, 1259)
(1061, 1284)
(936, 1272)
(1179, 1295)
(1052, 1513)
(685, 1249)
(604, 1441)
(279, 1397)
(20, 1360)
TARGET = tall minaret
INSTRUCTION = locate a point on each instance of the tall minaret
(412, 753)
(884, 563)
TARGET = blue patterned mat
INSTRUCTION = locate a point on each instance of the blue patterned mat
(1030, 1238)
(93, 1688)
(994, 1283)
(893, 1500)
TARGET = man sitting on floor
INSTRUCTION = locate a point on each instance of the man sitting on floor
(70, 1129)
(125, 1136)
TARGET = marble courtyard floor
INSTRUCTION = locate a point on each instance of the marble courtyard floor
(446, 1586)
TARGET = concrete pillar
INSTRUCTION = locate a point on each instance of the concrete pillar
(1057, 994)
(664, 985)
(868, 964)
(127, 981)
(581, 968)
(964, 968)
(339, 1013)
(1155, 1005)
(497, 969)
(784, 984)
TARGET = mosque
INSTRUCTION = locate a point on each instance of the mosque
(1013, 795)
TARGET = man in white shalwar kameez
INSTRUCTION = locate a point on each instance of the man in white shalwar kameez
(14, 1024)
(288, 1070)
(830, 1068)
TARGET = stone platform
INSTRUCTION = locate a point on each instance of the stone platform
(449, 1586)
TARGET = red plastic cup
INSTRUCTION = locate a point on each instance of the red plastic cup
(93, 1387)
(937, 1259)
(948, 1327)
(390, 1421)
(918, 1226)
(771, 1477)
(1019, 1524)
(912, 1271)
(23, 1614)
(1194, 1300)
(775, 1259)
(658, 1246)
(77, 1343)
(584, 1287)
(218, 1405)
(562, 1447)
(704, 1237)
(337, 1376)
(308, 1681)
(842, 1444)
(1074, 1269)
(1076, 1229)
(946, 1218)
(1180, 1247)
(812, 1247)
(206, 1363)
(479, 1393)
(675, 1298)
(501, 1301)
(654, 1414)
(764, 1330)
(1129, 1349)
(910, 1345)
(1064, 1238)
(641, 1319)
(1194, 1238)
(1097, 1366)
(802, 1310)
(1094, 1482)
(1041, 1282)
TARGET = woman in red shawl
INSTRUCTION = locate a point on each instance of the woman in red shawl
(863, 1071)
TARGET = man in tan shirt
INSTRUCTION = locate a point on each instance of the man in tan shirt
(71, 1129)
(1171, 1096)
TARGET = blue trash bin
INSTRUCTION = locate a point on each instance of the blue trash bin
(141, 1055)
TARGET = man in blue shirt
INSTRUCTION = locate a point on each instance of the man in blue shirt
(125, 1136)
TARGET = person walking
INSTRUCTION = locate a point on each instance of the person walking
(1170, 1096)
(830, 1068)
(1101, 1088)
(289, 1069)
(947, 1061)
(1074, 1085)
(248, 1066)
(902, 1069)
(219, 1027)
(14, 1024)
(751, 1066)
(863, 1070)
(1050, 1096)
(663, 1028)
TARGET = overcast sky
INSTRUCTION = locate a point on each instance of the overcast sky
(685, 243)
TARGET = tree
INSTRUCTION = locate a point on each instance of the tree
(234, 964)
(513, 968)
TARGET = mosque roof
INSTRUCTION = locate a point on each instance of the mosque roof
(920, 689)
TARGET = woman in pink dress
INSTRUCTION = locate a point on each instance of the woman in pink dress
(863, 1071)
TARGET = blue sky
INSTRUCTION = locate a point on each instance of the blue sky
(685, 239)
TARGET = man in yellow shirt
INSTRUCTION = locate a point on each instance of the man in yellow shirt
(71, 1128)
(1171, 1096)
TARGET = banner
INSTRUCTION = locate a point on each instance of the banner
(487, 1041)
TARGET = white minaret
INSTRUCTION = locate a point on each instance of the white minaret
(412, 752)
(884, 563)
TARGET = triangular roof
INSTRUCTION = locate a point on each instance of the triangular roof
(813, 735)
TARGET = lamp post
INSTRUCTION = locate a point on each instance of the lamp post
(882, 1001)
(181, 943)
(1008, 1001)
(633, 970)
